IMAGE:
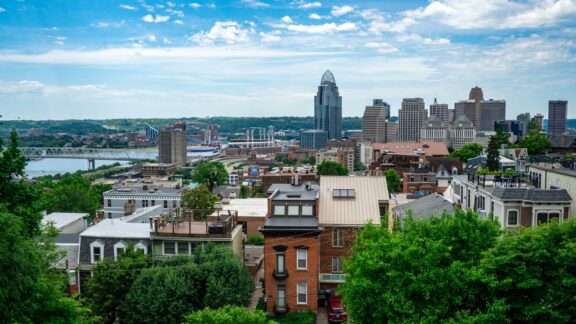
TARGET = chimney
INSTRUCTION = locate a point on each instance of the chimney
(84, 222)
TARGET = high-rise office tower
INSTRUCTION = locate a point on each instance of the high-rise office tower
(538, 119)
(410, 119)
(172, 145)
(524, 121)
(440, 111)
(375, 124)
(313, 139)
(557, 114)
(328, 107)
(491, 111)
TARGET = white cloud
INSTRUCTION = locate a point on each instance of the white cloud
(378, 24)
(496, 14)
(171, 4)
(2, 9)
(173, 12)
(101, 24)
(320, 29)
(287, 20)
(255, 4)
(340, 11)
(269, 37)
(306, 5)
(314, 16)
(127, 7)
(229, 32)
(414, 38)
(147, 7)
(382, 47)
(178, 22)
(152, 38)
(194, 5)
(166, 41)
(156, 19)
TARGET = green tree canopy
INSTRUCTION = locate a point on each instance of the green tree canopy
(536, 143)
(393, 181)
(200, 199)
(493, 153)
(331, 168)
(420, 273)
(467, 151)
(166, 293)
(72, 193)
(227, 315)
(210, 173)
(106, 290)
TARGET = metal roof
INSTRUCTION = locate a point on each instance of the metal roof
(117, 228)
(357, 211)
(62, 219)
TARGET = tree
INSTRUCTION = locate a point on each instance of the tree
(228, 315)
(393, 181)
(467, 151)
(30, 292)
(531, 274)
(331, 168)
(213, 277)
(111, 281)
(199, 199)
(210, 173)
(72, 193)
(244, 191)
(536, 143)
(493, 153)
(422, 272)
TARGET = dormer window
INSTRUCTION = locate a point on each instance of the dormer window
(343, 193)
(279, 210)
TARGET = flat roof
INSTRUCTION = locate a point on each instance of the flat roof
(62, 219)
(132, 190)
(117, 228)
(248, 207)
(559, 170)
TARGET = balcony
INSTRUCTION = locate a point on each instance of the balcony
(195, 223)
(280, 275)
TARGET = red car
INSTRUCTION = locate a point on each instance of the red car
(336, 313)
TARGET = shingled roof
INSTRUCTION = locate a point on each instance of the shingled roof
(532, 194)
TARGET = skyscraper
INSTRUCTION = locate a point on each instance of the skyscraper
(434, 130)
(538, 119)
(172, 145)
(328, 107)
(482, 113)
(440, 111)
(491, 111)
(524, 120)
(410, 119)
(557, 113)
(462, 132)
(375, 124)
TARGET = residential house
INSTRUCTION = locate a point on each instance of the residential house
(346, 205)
(518, 155)
(291, 243)
(553, 176)
(123, 199)
(426, 206)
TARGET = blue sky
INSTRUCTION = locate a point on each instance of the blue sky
(135, 58)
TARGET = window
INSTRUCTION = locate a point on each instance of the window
(169, 248)
(513, 217)
(281, 297)
(468, 198)
(293, 210)
(546, 217)
(174, 204)
(165, 204)
(109, 202)
(183, 248)
(411, 179)
(337, 239)
(280, 262)
(119, 248)
(307, 210)
(336, 264)
(343, 193)
(144, 203)
(302, 259)
(481, 203)
(301, 290)
(279, 210)
(142, 246)
(425, 179)
(96, 251)
(153, 203)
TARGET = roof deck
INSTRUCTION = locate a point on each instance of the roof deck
(195, 223)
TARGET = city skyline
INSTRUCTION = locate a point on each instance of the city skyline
(240, 58)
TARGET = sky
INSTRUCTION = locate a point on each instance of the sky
(64, 59)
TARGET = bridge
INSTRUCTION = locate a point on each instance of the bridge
(89, 154)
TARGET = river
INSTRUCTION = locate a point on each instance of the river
(36, 168)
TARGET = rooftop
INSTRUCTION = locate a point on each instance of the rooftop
(291, 223)
(429, 205)
(60, 220)
(412, 148)
(143, 190)
(328, 77)
(117, 228)
(249, 206)
(363, 207)
(532, 194)
(555, 168)
(286, 187)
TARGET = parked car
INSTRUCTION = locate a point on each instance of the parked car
(336, 313)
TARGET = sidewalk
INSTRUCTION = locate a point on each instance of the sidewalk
(258, 291)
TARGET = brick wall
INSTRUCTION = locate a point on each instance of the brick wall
(327, 251)
(309, 276)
